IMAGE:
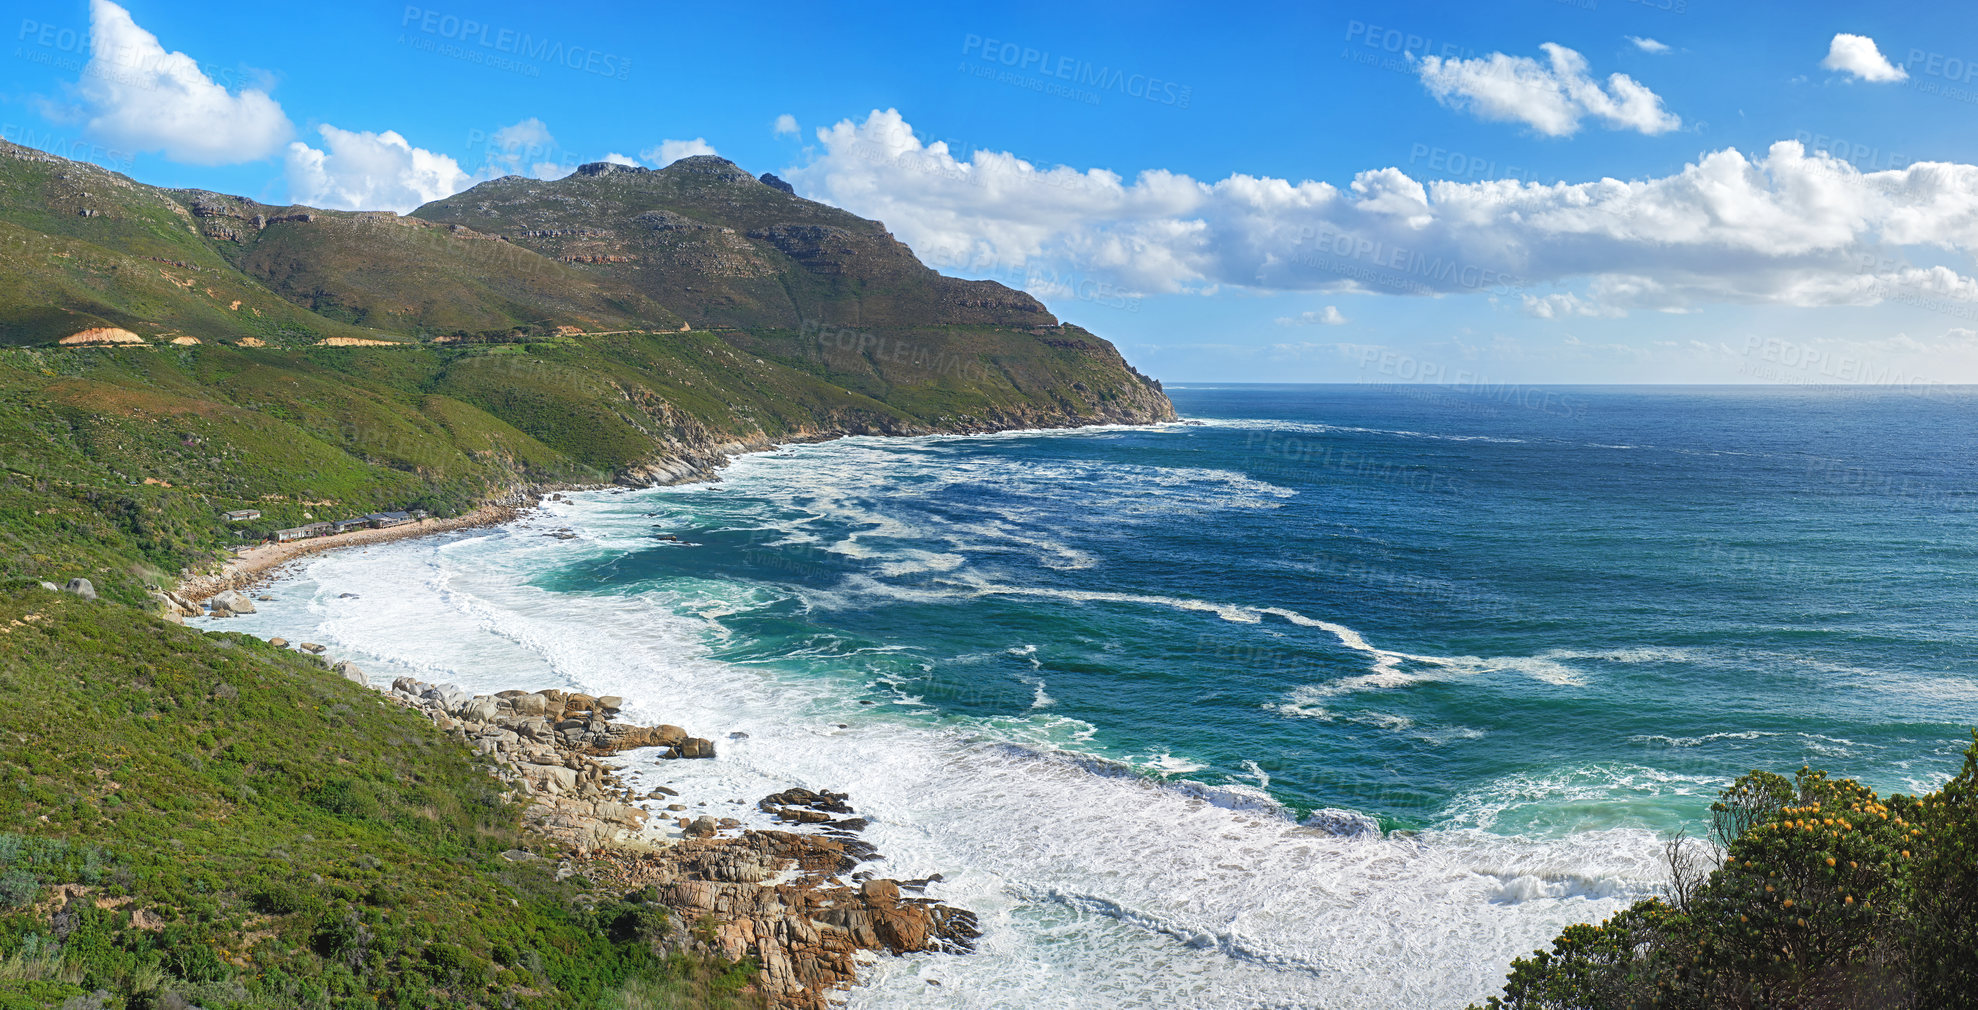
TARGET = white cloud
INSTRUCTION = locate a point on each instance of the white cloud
(1561, 306)
(369, 171)
(619, 159)
(1783, 227)
(1648, 45)
(1550, 97)
(786, 125)
(1328, 316)
(526, 148)
(669, 151)
(143, 98)
(1857, 56)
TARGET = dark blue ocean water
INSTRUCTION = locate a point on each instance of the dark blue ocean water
(1533, 610)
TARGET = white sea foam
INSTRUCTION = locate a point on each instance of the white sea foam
(1097, 886)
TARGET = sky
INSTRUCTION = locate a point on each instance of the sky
(1525, 191)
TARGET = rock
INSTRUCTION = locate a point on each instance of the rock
(530, 704)
(448, 697)
(173, 605)
(279, 643)
(51, 587)
(481, 710)
(884, 891)
(311, 647)
(81, 587)
(234, 601)
(350, 672)
(611, 702)
(702, 827)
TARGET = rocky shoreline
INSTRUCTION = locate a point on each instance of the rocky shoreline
(794, 900)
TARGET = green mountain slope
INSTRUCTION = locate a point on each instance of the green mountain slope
(204, 820)
(725, 249)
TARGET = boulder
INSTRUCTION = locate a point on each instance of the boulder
(447, 696)
(610, 702)
(695, 747)
(310, 647)
(530, 704)
(350, 672)
(880, 891)
(81, 587)
(702, 827)
(51, 587)
(233, 600)
(481, 710)
(174, 605)
(279, 643)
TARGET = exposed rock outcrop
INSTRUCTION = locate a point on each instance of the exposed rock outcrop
(781, 897)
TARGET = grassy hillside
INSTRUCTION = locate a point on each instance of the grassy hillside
(724, 249)
(203, 820)
(210, 820)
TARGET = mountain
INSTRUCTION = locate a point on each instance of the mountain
(167, 354)
(727, 249)
(207, 819)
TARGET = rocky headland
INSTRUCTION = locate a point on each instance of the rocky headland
(796, 900)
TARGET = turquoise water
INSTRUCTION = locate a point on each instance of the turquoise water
(1143, 694)
(1585, 612)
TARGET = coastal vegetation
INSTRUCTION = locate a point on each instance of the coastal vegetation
(1810, 892)
(208, 820)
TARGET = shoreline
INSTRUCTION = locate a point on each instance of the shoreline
(262, 560)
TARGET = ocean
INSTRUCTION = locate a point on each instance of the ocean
(1333, 696)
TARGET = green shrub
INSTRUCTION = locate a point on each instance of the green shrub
(1823, 895)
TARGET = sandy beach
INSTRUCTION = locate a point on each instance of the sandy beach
(257, 562)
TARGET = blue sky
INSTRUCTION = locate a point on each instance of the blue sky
(1203, 186)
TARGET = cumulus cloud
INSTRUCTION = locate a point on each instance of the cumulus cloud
(369, 171)
(786, 125)
(526, 148)
(1784, 226)
(1858, 57)
(142, 98)
(1550, 97)
(1648, 45)
(666, 152)
(1563, 305)
(1328, 316)
(620, 159)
